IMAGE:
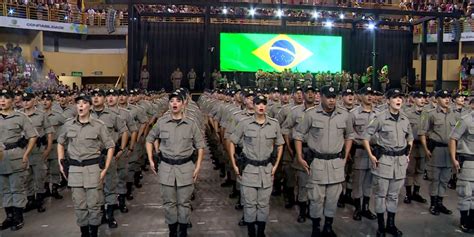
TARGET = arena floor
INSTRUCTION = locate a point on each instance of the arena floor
(214, 216)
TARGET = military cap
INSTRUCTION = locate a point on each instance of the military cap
(442, 94)
(84, 97)
(393, 93)
(7, 93)
(328, 91)
(260, 99)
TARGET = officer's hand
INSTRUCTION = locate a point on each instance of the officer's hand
(274, 170)
(62, 171)
(304, 164)
(44, 156)
(152, 167)
(428, 154)
(374, 161)
(236, 170)
(456, 166)
(119, 154)
(102, 175)
(25, 162)
(196, 173)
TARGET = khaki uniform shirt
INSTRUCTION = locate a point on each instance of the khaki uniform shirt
(463, 133)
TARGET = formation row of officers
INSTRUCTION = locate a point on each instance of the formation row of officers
(319, 144)
(301, 141)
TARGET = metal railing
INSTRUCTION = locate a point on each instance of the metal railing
(58, 15)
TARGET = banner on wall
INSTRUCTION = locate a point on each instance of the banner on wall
(21, 23)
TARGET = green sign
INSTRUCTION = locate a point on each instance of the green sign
(276, 52)
(76, 74)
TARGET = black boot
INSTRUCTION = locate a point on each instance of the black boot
(381, 225)
(442, 208)
(85, 231)
(8, 222)
(316, 232)
(234, 193)
(303, 208)
(39, 202)
(173, 230)
(222, 171)
(227, 182)
(63, 182)
(48, 190)
(136, 180)
(434, 206)
(290, 197)
(357, 215)
(94, 230)
(261, 228)
(471, 219)
(348, 197)
(17, 219)
(391, 228)
(327, 229)
(30, 205)
(416, 195)
(242, 222)
(129, 194)
(340, 201)
(110, 217)
(54, 192)
(365, 209)
(465, 227)
(104, 215)
(408, 195)
(252, 232)
(183, 230)
(122, 204)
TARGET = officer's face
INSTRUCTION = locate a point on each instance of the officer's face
(443, 102)
(298, 97)
(328, 102)
(285, 98)
(62, 100)
(348, 99)
(460, 100)
(249, 102)
(260, 108)
(112, 100)
(18, 100)
(98, 100)
(83, 108)
(276, 96)
(472, 106)
(395, 103)
(28, 104)
(176, 105)
(47, 103)
(309, 96)
(367, 99)
(419, 101)
(6, 103)
(122, 99)
(317, 97)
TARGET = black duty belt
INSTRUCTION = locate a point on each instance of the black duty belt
(83, 163)
(323, 156)
(176, 162)
(465, 157)
(257, 162)
(10, 146)
(394, 153)
(357, 146)
(437, 144)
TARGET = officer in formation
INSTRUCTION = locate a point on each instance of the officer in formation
(256, 166)
(86, 167)
(174, 138)
(18, 138)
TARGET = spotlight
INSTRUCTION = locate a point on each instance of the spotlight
(328, 24)
(315, 14)
(11, 11)
(65, 18)
(371, 26)
(341, 16)
(252, 12)
(224, 11)
(279, 13)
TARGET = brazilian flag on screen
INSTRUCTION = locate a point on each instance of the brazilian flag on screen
(275, 52)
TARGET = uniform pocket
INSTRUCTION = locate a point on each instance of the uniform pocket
(463, 188)
(385, 167)
(316, 128)
(337, 174)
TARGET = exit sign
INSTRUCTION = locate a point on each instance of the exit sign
(76, 74)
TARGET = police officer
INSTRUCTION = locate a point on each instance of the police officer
(258, 136)
(85, 137)
(389, 163)
(37, 171)
(122, 163)
(359, 118)
(416, 165)
(328, 134)
(68, 110)
(15, 159)
(175, 137)
(437, 124)
(461, 150)
(119, 132)
(56, 119)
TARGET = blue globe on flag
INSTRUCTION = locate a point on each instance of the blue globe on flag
(282, 53)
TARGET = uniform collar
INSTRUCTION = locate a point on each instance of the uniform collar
(169, 119)
(389, 116)
(438, 109)
(76, 121)
(320, 110)
(254, 120)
